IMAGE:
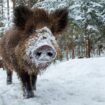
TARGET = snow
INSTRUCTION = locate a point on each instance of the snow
(96, 4)
(74, 6)
(6, 18)
(78, 18)
(73, 82)
(51, 4)
(91, 27)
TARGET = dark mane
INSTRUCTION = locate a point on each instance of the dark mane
(40, 16)
(37, 17)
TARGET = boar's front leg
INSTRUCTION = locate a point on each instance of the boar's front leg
(9, 76)
(27, 85)
(34, 79)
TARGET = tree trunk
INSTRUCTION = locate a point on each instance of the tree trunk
(8, 9)
(30, 3)
(67, 53)
(73, 53)
(14, 4)
(2, 10)
(88, 47)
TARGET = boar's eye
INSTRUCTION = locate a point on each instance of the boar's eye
(32, 31)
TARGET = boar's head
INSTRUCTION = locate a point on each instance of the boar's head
(38, 28)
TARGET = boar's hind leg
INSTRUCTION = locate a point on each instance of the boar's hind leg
(27, 85)
(34, 79)
(9, 77)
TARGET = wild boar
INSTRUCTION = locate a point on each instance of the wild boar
(29, 46)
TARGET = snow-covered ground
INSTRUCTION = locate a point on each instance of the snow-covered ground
(75, 82)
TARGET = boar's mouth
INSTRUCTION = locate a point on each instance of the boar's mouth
(43, 66)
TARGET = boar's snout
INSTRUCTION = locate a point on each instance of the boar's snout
(45, 54)
(42, 48)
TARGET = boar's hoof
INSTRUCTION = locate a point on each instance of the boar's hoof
(34, 87)
(9, 81)
(29, 94)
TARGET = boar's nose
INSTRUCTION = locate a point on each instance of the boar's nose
(45, 53)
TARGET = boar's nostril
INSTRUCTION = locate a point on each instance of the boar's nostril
(45, 53)
(38, 54)
(50, 54)
(44, 37)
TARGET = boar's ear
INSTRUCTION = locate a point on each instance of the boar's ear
(59, 20)
(21, 15)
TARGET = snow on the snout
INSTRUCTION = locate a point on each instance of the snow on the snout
(42, 37)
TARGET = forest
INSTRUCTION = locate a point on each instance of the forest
(85, 34)
(32, 73)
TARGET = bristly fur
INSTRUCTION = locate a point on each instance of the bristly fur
(21, 15)
(56, 21)
(59, 19)
(13, 43)
(40, 16)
